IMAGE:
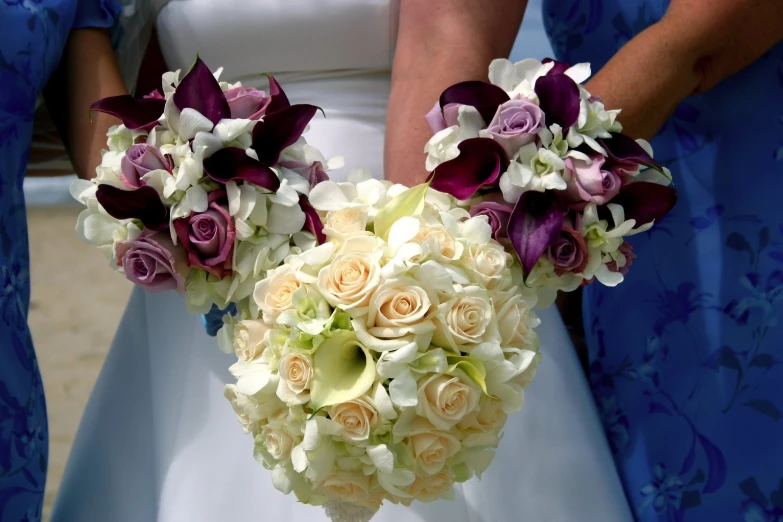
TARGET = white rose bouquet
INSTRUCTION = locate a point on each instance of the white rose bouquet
(381, 365)
(547, 164)
(203, 187)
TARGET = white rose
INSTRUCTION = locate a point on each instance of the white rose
(248, 409)
(399, 307)
(487, 264)
(350, 279)
(445, 400)
(277, 441)
(464, 320)
(526, 377)
(481, 428)
(514, 319)
(357, 417)
(274, 294)
(249, 339)
(440, 241)
(432, 450)
(349, 220)
(296, 371)
(347, 486)
(427, 489)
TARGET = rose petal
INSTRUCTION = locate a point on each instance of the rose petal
(280, 130)
(622, 149)
(535, 222)
(485, 97)
(143, 204)
(313, 220)
(135, 114)
(645, 202)
(479, 164)
(558, 97)
(200, 91)
(233, 164)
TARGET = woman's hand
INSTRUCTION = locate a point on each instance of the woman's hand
(440, 43)
(88, 72)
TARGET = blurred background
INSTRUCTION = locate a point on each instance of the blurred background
(77, 300)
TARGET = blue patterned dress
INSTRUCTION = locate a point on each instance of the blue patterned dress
(33, 34)
(686, 356)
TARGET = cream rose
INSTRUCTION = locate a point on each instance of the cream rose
(399, 304)
(487, 265)
(349, 220)
(274, 294)
(277, 441)
(445, 400)
(247, 410)
(463, 320)
(514, 320)
(432, 449)
(427, 489)
(349, 280)
(249, 339)
(296, 371)
(347, 486)
(526, 377)
(437, 235)
(357, 417)
(489, 417)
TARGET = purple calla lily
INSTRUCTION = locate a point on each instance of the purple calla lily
(645, 201)
(558, 97)
(200, 91)
(480, 163)
(142, 203)
(558, 68)
(135, 113)
(626, 155)
(279, 130)
(484, 96)
(278, 100)
(233, 164)
(535, 223)
(313, 221)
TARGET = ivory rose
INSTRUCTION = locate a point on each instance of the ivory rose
(350, 279)
(427, 489)
(357, 417)
(464, 320)
(296, 372)
(277, 441)
(249, 339)
(432, 449)
(274, 295)
(445, 400)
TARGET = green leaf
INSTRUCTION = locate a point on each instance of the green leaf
(409, 203)
(471, 367)
(343, 369)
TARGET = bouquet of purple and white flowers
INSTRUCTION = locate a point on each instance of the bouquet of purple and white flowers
(547, 164)
(204, 187)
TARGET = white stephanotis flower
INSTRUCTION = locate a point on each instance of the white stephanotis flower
(532, 169)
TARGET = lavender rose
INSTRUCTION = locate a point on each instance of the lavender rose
(588, 183)
(568, 252)
(498, 215)
(448, 118)
(153, 262)
(140, 159)
(516, 123)
(209, 236)
(247, 103)
(314, 174)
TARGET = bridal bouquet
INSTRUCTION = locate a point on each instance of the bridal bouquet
(203, 187)
(547, 164)
(382, 364)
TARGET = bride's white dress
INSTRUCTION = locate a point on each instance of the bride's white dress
(160, 443)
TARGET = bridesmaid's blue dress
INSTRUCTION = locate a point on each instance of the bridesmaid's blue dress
(686, 356)
(33, 34)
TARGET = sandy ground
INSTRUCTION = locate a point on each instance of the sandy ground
(77, 302)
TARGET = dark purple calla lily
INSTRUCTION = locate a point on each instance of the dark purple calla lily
(535, 223)
(279, 130)
(558, 68)
(278, 100)
(485, 97)
(626, 155)
(558, 97)
(480, 163)
(233, 164)
(135, 113)
(143, 204)
(200, 91)
(645, 201)
(313, 221)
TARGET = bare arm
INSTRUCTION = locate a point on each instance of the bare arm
(88, 72)
(697, 44)
(440, 42)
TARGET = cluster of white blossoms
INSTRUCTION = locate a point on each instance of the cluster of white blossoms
(382, 364)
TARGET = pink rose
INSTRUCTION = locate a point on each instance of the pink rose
(498, 214)
(140, 159)
(568, 252)
(588, 183)
(153, 262)
(448, 118)
(209, 236)
(247, 103)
